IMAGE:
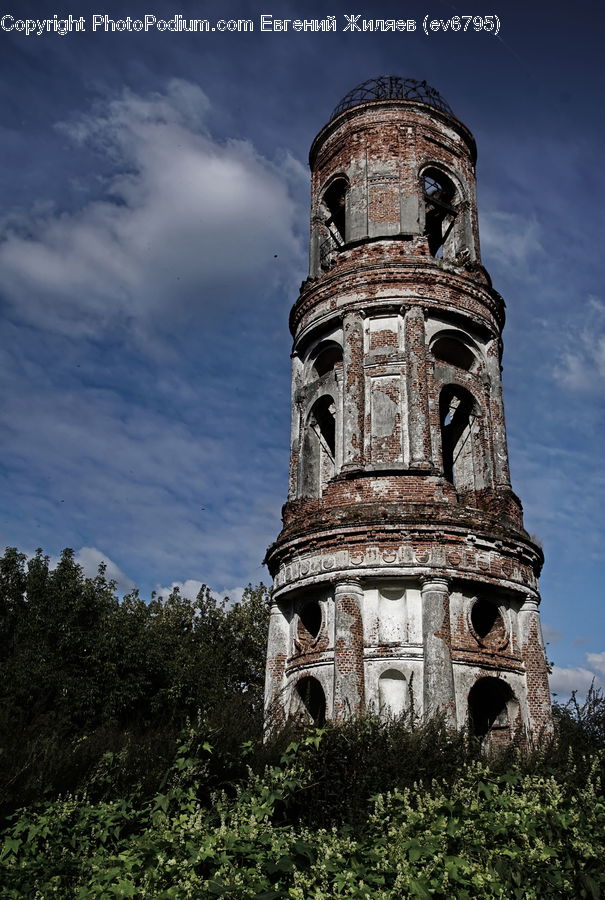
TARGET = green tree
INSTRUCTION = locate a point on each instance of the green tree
(87, 674)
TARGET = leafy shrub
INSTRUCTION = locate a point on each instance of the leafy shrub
(479, 834)
(86, 674)
(364, 757)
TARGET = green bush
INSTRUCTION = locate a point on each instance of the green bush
(87, 674)
(478, 834)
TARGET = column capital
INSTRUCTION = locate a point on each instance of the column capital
(435, 583)
(352, 314)
(412, 309)
(348, 581)
(531, 603)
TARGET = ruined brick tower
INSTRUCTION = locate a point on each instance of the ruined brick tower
(403, 574)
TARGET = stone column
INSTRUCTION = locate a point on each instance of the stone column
(500, 455)
(349, 675)
(417, 390)
(278, 649)
(295, 429)
(536, 672)
(339, 424)
(314, 247)
(410, 183)
(438, 684)
(353, 392)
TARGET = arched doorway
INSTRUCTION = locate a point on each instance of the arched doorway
(492, 711)
(310, 701)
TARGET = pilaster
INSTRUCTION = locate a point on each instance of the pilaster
(295, 427)
(438, 683)
(354, 391)
(498, 429)
(417, 389)
(278, 649)
(536, 667)
(349, 677)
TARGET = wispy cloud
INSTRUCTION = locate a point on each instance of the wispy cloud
(191, 589)
(183, 220)
(597, 662)
(511, 241)
(171, 461)
(579, 679)
(581, 367)
(167, 489)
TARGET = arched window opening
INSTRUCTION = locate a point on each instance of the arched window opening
(458, 436)
(439, 210)
(392, 694)
(319, 447)
(452, 351)
(311, 618)
(327, 359)
(490, 704)
(335, 205)
(323, 422)
(312, 700)
(335, 199)
(488, 623)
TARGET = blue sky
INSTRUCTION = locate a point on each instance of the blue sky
(153, 236)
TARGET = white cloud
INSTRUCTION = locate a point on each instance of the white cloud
(511, 241)
(597, 661)
(182, 217)
(564, 681)
(582, 362)
(90, 558)
(234, 594)
(191, 588)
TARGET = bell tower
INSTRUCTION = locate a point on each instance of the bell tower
(403, 576)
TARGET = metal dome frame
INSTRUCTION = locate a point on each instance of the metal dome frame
(392, 87)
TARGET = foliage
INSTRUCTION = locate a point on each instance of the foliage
(86, 674)
(582, 724)
(482, 834)
(373, 756)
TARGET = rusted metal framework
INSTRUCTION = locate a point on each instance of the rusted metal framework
(391, 87)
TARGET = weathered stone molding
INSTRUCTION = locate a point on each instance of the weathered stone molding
(412, 281)
(406, 560)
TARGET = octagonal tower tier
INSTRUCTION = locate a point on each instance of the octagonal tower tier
(403, 576)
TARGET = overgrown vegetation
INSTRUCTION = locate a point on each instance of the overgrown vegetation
(487, 830)
(138, 764)
(85, 674)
